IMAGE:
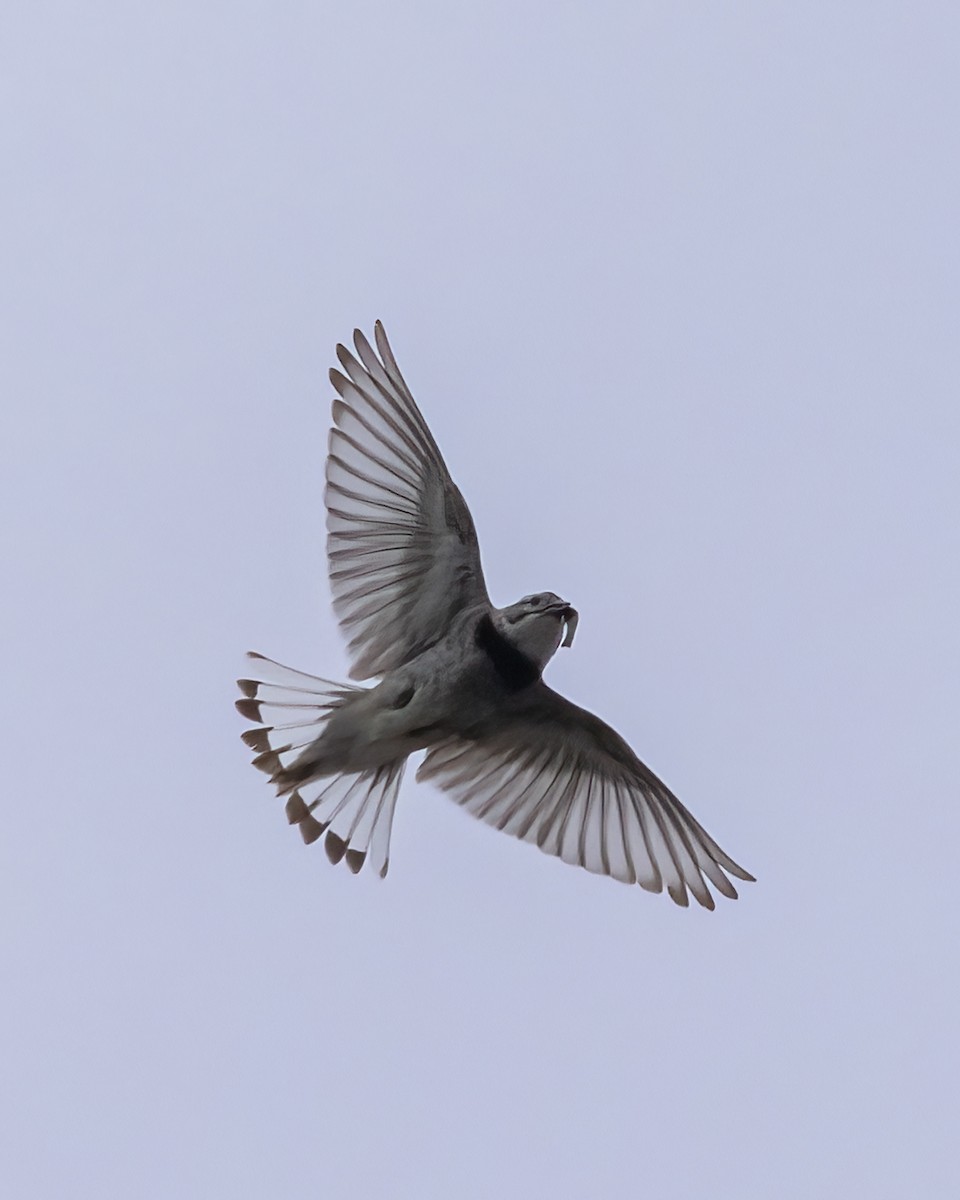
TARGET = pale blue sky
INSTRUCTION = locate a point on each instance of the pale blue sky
(677, 286)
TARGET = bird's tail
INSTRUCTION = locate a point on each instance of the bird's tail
(354, 810)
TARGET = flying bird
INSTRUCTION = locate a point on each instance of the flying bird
(459, 677)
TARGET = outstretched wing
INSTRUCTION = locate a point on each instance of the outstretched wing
(555, 775)
(401, 543)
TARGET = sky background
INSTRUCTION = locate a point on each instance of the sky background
(677, 286)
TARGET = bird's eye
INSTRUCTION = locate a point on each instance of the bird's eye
(535, 601)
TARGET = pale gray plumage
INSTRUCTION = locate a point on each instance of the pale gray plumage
(459, 678)
(403, 552)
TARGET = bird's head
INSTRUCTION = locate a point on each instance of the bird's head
(537, 625)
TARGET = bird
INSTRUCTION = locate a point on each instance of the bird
(458, 677)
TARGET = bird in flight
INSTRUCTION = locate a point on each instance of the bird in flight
(459, 678)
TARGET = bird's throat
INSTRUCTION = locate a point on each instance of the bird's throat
(513, 667)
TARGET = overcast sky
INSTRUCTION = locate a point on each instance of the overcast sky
(677, 286)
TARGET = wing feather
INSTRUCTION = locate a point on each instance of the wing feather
(553, 774)
(401, 544)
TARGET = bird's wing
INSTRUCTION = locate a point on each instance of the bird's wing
(401, 543)
(555, 775)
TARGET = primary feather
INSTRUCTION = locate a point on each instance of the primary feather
(401, 543)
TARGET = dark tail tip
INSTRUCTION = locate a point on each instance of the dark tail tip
(256, 739)
(310, 829)
(335, 847)
(296, 809)
(249, 709)
(355, 859)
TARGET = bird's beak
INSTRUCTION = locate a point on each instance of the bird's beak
(572, 617)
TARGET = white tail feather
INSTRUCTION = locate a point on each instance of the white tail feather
(355, 811)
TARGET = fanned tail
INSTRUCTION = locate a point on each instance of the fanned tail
(354, 810)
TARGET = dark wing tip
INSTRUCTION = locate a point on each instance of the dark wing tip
(347, 360)
(248, 687)
(678, 894)
(360, 342)
(249, 709)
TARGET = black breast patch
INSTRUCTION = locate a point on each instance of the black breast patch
(513, 667)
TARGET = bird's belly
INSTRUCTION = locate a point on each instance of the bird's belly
(437, 696)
